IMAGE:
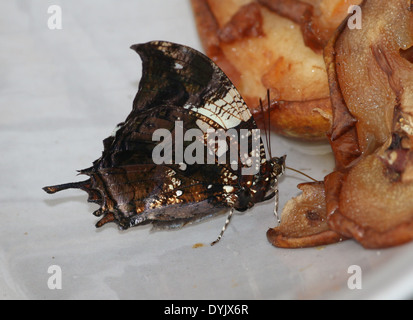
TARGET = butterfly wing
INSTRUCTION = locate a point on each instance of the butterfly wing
(178, 84)
(174, 75)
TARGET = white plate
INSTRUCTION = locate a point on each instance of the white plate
(63, 92)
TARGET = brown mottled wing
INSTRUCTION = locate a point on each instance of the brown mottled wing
(178, 84)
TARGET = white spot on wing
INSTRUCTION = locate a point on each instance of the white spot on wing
(178, 66)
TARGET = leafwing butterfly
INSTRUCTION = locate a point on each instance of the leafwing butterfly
(172, 161)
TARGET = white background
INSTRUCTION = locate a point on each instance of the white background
(61, 93)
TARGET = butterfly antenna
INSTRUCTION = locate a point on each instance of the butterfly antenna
(269, 120)
(302, 173)
(265, 129)
(277, 200)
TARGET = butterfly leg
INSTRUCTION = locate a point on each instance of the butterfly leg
(276, 204)
(225, 227)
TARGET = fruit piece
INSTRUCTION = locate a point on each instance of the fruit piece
(304, 221)
(262, 47)
(371, 80)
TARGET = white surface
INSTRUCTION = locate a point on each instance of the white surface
(61, 93)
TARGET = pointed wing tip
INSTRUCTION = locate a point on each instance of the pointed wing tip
(157, 44)
(141, 48)
(135, 47)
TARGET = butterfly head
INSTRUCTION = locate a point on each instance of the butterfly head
(269, 182)
(277, 166)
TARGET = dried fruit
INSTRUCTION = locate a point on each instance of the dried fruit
(369, 195)
(304, 221)
(275, 45)
(372, 90)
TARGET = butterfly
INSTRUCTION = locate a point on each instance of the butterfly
(163, 165)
